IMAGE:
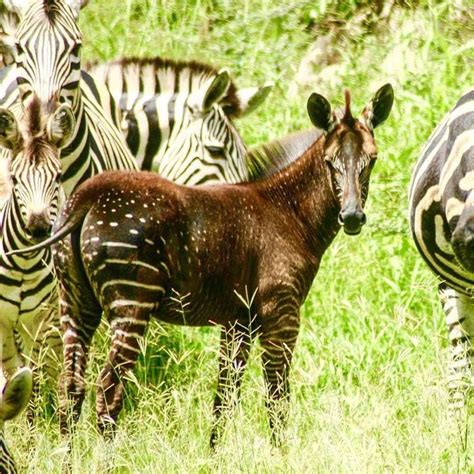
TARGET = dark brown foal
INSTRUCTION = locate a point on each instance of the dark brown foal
(138, 240)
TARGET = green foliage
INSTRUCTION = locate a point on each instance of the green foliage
(368, 383)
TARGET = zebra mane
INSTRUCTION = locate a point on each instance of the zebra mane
(196, 69)
(269, 158)
(35, 142)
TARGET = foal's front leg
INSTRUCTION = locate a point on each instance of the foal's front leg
(278, 337)
(129, 321)
(233, 356)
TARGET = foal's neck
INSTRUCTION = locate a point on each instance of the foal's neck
(303, 191)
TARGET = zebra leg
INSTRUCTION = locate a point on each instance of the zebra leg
(459, 310)
(128, 324)
(278, 343)
(78, 328)
(233, 356)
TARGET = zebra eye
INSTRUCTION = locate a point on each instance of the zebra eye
(76, 49)
(13, 179)
(19, 49)
(215, 151)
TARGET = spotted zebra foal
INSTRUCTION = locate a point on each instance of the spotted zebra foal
(442, 224)
(138, 240)
(14, 398)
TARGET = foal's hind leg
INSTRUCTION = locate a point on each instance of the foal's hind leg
(459, 310)
(129, 321)
(234, 351)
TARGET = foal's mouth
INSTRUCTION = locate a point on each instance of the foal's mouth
(352, 231)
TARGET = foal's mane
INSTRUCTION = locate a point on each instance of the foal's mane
(269, 158)
(157, 64)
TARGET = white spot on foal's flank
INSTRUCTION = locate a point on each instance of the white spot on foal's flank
(133, 231)
(100, 222)
(113, 224)
(128, 216)
(145, 205)
(142, 219)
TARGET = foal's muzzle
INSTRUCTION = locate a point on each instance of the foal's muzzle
(352, 220)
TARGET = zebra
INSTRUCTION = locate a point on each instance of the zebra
(46, 82)
(177, 117)
(441, 199)
(13, 400)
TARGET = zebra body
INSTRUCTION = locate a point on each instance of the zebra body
(178, 117)
(442, 223)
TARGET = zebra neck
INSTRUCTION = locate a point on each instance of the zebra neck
(303, 191)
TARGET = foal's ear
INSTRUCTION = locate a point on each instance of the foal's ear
(216, 90)
(16, 394)
(60, 126)
(252, 97)
(378, 109)
(319, 111)
(9, 131)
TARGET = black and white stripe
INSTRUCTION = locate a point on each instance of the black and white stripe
(178, 117)
(442, 224)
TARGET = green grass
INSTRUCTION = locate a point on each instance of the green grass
(368, 377)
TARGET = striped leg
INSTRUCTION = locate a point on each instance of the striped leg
(278, 339)
(233, 356)
(459, 311)
(128, 324)
(78, 328)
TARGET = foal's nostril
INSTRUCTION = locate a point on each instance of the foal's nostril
(39, 226)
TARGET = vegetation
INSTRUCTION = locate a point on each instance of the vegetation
(368, 378)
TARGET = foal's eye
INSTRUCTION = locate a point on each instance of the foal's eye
(76, 49)
(215, 151)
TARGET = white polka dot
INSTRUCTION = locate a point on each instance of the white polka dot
(100, 222)
(133, 231)
(129, 216)
(113, 224)
(142, 220)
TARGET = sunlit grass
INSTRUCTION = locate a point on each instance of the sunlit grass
(368, 390)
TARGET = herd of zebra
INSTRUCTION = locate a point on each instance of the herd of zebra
(132, 240)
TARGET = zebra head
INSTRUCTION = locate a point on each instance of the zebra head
(48, 44)
(350, 151)
(35, 167)
(14, 398)
(210, 149)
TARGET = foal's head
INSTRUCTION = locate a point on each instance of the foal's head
(35, 167)
(350, 151)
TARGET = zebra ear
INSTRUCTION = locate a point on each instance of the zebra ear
(16, 394)
(60, 126)
(252, 97)
(319, 111)
(76, 5)
(216, 90)
(378, 109)
(9, 131)
(16, 6)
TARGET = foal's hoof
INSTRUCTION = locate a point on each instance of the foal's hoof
(107, 427)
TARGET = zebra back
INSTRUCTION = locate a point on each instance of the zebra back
(177, 116)
(441, 190)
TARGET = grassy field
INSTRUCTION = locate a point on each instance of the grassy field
(368, 378)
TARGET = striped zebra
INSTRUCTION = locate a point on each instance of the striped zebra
(442, 224)
(42, 96)
(13, 400)
(178, 117)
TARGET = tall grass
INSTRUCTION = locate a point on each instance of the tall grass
(368, 390)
